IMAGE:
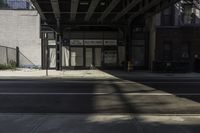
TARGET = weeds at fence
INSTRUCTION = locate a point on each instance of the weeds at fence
(11, 66)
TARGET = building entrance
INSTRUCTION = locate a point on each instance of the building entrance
(93, 57)
(52, 57)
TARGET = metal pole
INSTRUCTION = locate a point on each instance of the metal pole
(7, 60)
(17, 56)
(46, 53)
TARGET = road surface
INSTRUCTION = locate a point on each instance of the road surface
(100, 106)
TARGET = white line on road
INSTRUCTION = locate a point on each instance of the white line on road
(128, 94)
(101, 82)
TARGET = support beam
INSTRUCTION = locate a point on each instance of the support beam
(56, 9)
(127, 9)
(74, 8)
(151, 5)
(37, 7)
(112, 5)
(91, 9)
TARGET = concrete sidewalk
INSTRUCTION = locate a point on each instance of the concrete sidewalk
(148, 74)
(72, 74)
(90, 74)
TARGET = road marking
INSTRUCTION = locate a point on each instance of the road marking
(128, 94)
(102, 82)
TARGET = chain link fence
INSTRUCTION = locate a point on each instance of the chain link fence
(7, 55)
(10, 56)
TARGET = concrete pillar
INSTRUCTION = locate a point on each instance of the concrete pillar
(151, 27)
(128, 45)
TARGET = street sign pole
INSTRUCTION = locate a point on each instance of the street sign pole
(46, 53)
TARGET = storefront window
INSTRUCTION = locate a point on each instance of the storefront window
(167, 51)
(188, 15)
(98, 57)
(139, 56)
(76, 56)
(52, 57)
(184, 51)
(110, 57)
(65, 56)
(89, 55)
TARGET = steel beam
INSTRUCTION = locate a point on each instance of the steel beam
(111, 6)
(37, 7)
(127, 9)
(74, 8)
(56, 9)
(91, 9)
(149, 6)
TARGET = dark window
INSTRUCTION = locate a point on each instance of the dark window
(188, 15)
(167, 51)
(14, 4)
(167, 17)
(184, 51)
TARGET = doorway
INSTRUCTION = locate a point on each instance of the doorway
(52, 57)
(93, 57)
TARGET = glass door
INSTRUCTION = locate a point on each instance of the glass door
(110, 58)
(88, 57)
(139, 54)
(98, 57)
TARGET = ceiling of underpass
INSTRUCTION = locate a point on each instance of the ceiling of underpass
(97, 12)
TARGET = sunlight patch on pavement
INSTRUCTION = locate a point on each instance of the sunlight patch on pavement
(108, 118)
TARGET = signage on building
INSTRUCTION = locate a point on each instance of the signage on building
(110, 42)
(76, 42)
(51, 42)
(93, 42)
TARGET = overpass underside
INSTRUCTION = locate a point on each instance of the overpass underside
(97, 26)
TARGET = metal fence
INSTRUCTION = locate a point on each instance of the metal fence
(10, 55)
(7, 55)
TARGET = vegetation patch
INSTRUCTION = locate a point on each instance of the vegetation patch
(11, 65)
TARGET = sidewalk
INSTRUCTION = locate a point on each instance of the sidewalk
(148, 74)
(69, 74)
(90, 74)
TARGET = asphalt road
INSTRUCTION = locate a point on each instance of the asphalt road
(138, 96)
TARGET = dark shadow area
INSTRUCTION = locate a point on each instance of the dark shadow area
(90, 96)
(168, 84)
(46, 97)
(187, 89)
(98, 124)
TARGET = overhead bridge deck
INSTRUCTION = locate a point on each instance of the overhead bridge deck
(98, 12)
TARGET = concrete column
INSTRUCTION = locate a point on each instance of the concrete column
(151, 26)
(128, 44)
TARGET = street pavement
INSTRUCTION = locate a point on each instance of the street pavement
(102, 106)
